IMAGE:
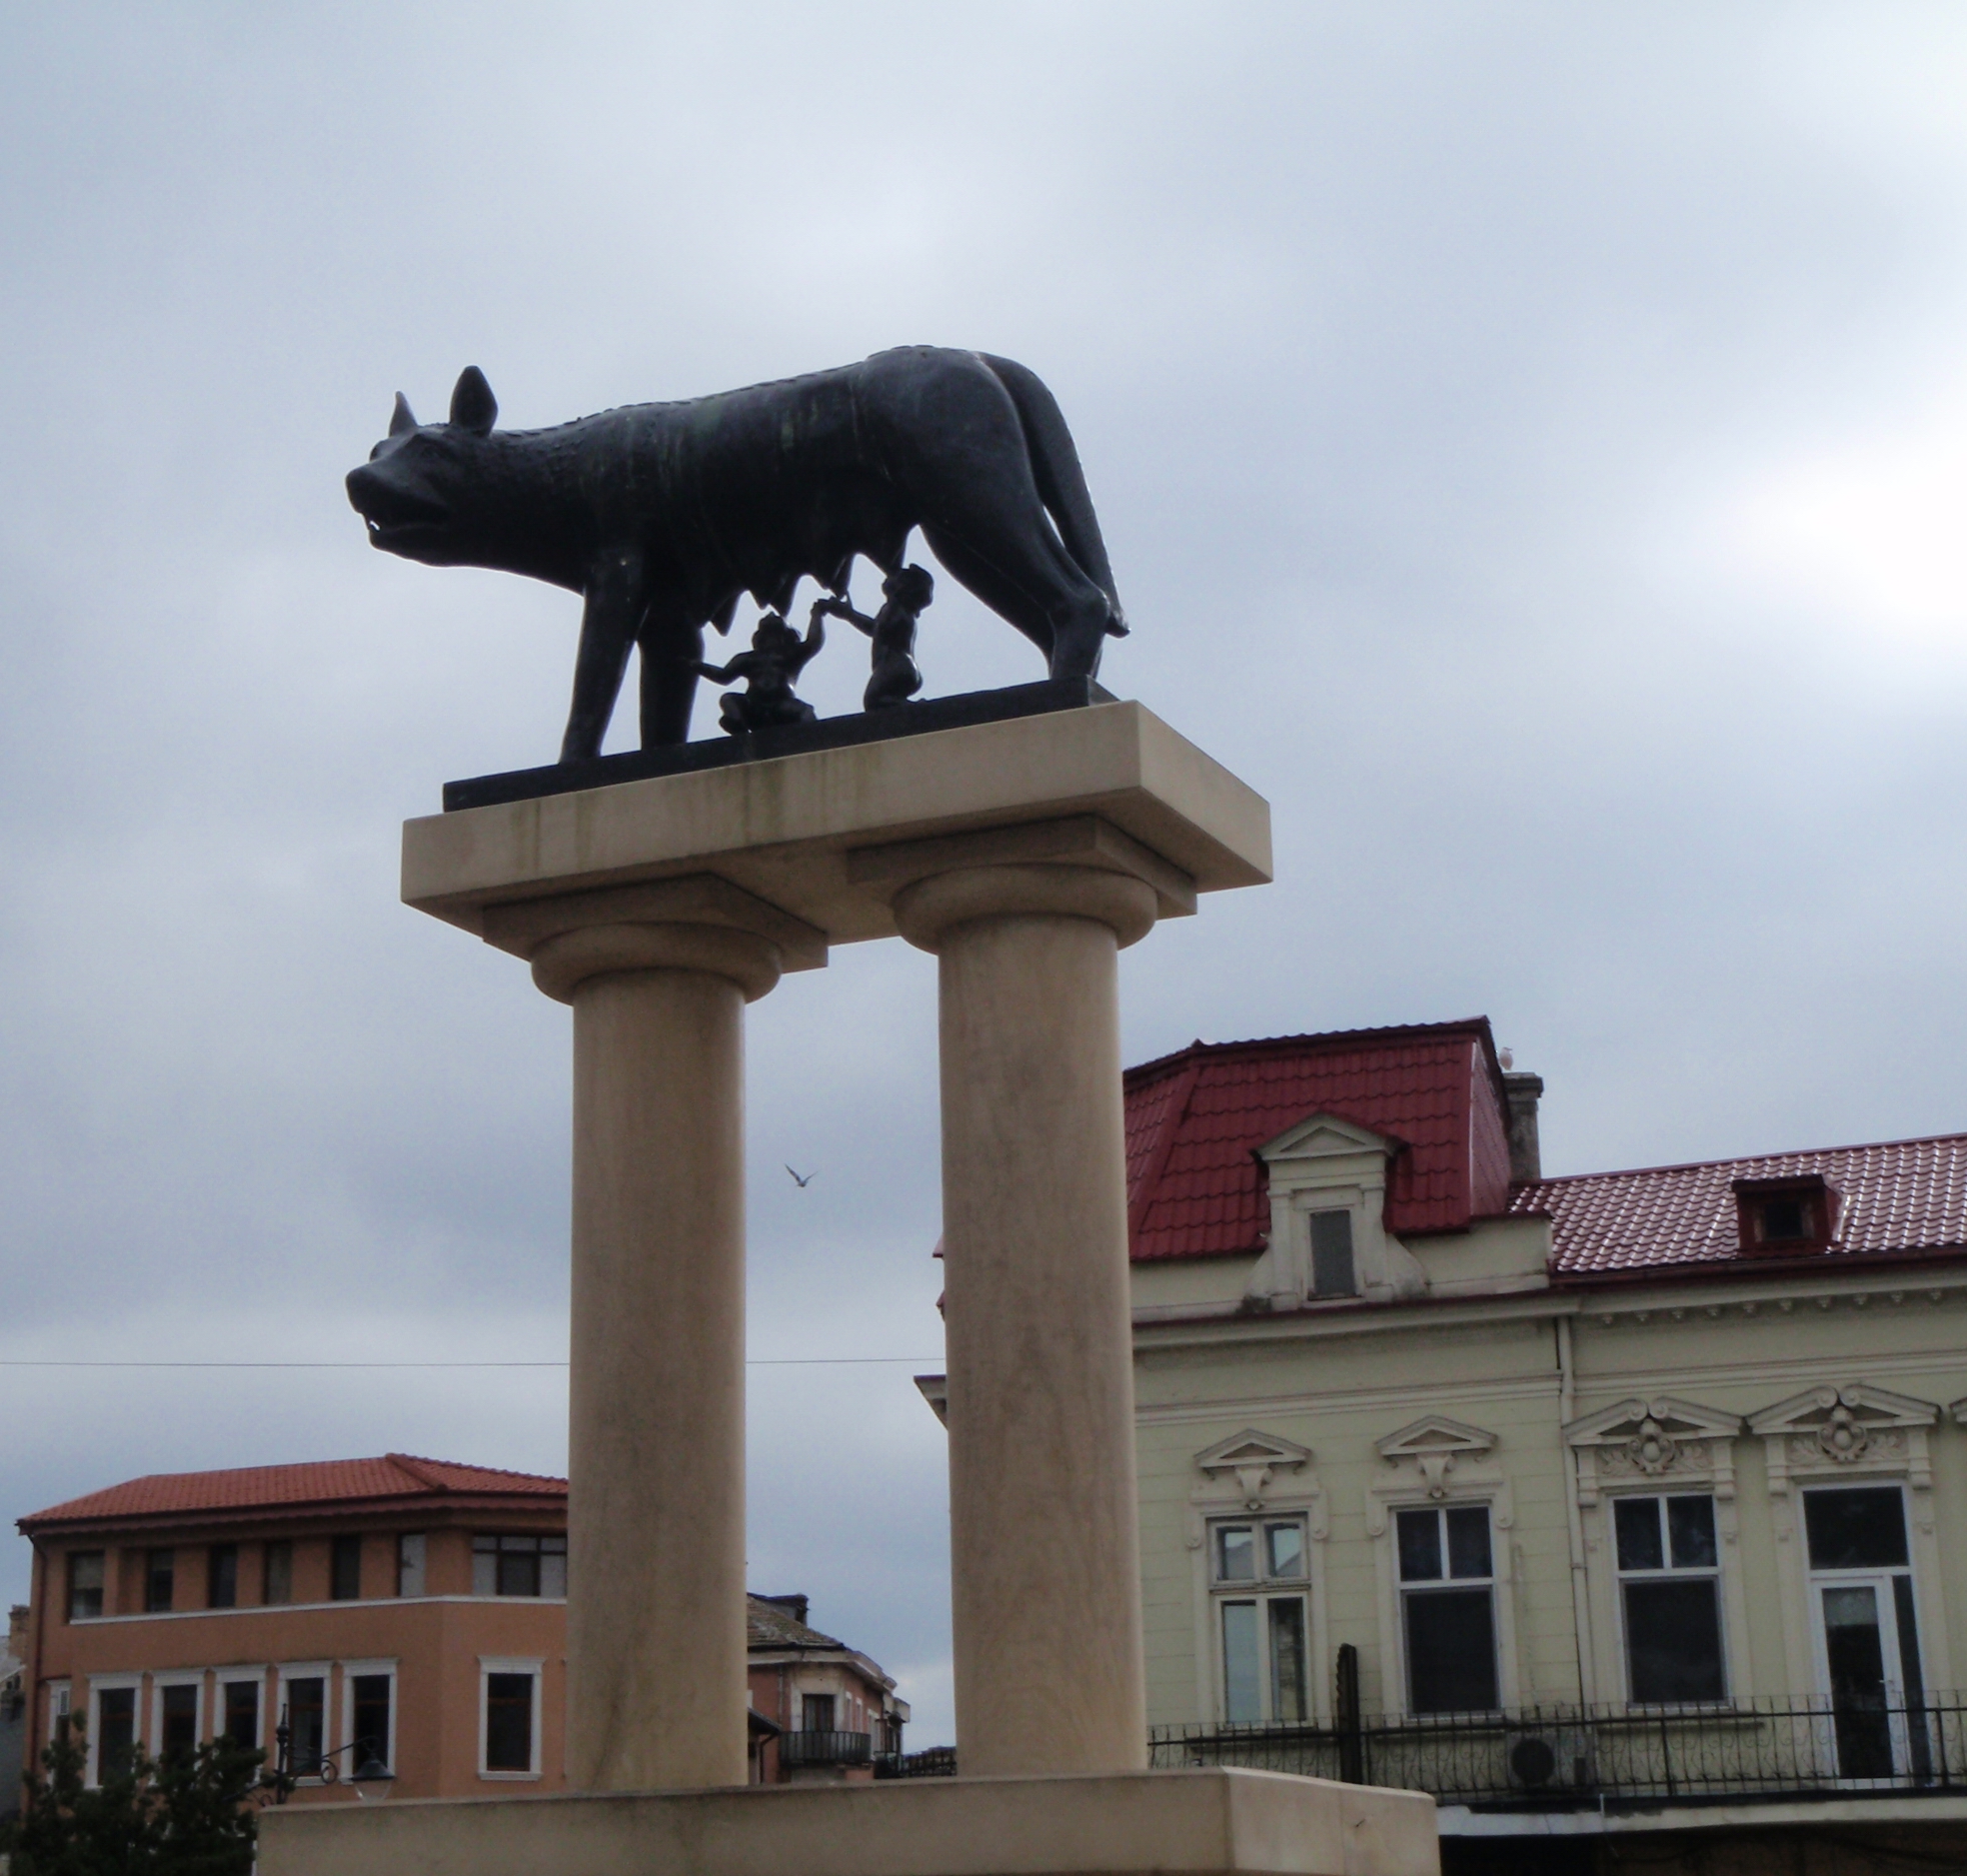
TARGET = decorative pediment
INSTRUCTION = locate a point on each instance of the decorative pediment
(1434, 1432)
(1253, 1460)
(1660, 1438)
(1855, 1425)
(1325, 1136)
(1678, 1419)
(1435, 1446)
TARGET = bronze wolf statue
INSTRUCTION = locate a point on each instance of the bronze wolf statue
(660, 514)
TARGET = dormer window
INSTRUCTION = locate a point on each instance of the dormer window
(1332, 1272)
(1785, 1217)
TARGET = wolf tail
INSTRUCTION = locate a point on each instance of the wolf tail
(1062, 481)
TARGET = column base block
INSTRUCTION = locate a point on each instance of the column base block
(1215, 1821)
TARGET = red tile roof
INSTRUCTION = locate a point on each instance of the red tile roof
(328, 1484)
(1897, 1197)
(1194, 1121)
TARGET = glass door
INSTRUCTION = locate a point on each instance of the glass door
(1867, 1634)
(1859, 1639)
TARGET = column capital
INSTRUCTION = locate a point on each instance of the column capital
(699, 922)
(927, 910)
(1078, 866)
(563, 963)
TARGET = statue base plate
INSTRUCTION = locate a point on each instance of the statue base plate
(917, 717)
(1195, 1822)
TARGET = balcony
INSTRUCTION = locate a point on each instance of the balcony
(806, 1749)
(1562, 1757)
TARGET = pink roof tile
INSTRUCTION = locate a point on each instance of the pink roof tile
(1194, 1119)
(1897, 1197)
(293, 1487)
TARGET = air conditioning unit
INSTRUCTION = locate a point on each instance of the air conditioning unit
(1552, 1758)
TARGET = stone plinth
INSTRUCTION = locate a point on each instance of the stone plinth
(1026, 854)
(1194, 1823)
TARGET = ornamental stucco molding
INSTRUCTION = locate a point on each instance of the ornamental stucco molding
(1835, 1430)
(1659, 1442)
(1245, 1465)
(1859, 1289)
(1438, 1460)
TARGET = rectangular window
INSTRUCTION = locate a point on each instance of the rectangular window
(345, 1570)
(279, 1582)
(159, 1576)
(509, 1722)
(1450, 1630)
(410, 1564)
(518, 1565)
(1262, 1625)
(1331, 1254)
(242, 1712)
(85, 1585)
(307, 1713)
(177, 1715)
(222, 1577)
(1671, 1593)
(369, 1703)
(817, 1714)
(116, 1731)
(1856, 1529)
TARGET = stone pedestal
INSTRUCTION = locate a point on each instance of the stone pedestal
(1024, 854)
(1188, 1823)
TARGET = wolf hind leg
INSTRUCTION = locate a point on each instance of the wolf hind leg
(1018, 570)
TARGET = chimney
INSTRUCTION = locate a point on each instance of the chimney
(1522, 1090)
(17, 1631)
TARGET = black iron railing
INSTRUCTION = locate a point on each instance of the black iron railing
(1567, 1754)
(933, 1762)
(825, 1750)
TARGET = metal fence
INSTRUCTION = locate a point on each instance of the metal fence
(1566, 1754)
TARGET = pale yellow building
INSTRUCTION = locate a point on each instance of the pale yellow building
(1625, 1512)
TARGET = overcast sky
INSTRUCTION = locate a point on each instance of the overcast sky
(1532, 446)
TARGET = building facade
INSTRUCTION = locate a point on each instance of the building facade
(400, 1620)
(1606, 1506)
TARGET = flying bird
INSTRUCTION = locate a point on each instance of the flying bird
(802, 1184)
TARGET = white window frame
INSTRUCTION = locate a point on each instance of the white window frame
(61, 1697)
(407, 1544)
(162, 1678)
(489, 1664)
(286, 1674)
(1816, 1581)
(1261, 1590)
(99, 1684)
(348, 1670)
(1496, 1583)
(224, 1677)
(1669, 1573)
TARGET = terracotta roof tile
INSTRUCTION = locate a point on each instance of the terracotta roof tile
(1194, 1121)
(283, 1487)
(770, 1624)
(1898, 1196)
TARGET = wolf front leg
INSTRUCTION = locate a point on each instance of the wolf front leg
(671, 661)
(616, 603)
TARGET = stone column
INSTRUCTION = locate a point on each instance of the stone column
(655, 1633)
(1044, 1532)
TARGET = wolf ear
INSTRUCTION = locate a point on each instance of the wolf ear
(402, 419)
(473, 407)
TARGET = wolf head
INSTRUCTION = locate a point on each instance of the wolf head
(416, 490)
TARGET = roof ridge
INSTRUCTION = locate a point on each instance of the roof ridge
(1376, 1032)
(1733, 1159)
(410, 1461)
